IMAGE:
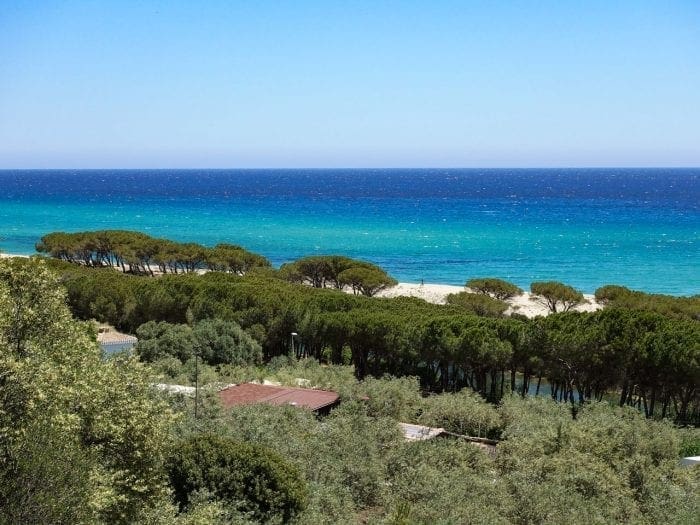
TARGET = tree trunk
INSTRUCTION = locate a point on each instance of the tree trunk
(652, 402)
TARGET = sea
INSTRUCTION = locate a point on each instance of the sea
(586, 227)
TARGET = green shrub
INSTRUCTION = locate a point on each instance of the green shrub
(395, 397)
(610, 292)
(246, 477)
(218, 341)
(465, 413)
(690, 442)
(482, 305)
(215, 341)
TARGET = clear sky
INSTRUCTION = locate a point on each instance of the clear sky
(349, 84)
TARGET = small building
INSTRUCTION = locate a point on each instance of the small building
(112, 341)
(413, 432)
(691, 461)
(189, 391)
(320, 401)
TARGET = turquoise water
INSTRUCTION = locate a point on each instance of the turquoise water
(639, 228)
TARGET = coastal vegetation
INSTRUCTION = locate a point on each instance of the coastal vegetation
(643, 355)
(214, 341)
(89, 440)
(496, 288)
(336, 271)
(556, 296)
(478, 304)
(622, 297)
(139, 253)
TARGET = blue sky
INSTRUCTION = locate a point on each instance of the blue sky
(349, 84)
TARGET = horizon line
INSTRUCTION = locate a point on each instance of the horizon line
(290, 168)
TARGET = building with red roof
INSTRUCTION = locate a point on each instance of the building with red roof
(320, 401)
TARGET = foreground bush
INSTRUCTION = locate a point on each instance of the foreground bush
(244, 476)
(81, 439)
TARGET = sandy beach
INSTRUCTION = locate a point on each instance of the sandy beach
(523, 304)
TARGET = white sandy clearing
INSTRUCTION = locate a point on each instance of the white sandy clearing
(524, 304)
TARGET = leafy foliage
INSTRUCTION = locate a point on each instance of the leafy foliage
(478, 304)
(496, 288)
(337, 271)
(215, 341)
(604, 466)
(464, 413)
(557, 296)
(644, 359)
(137, 252)
(62, 405)
(579, 460)
(244, 476)
(366, 281)
(621, 297)
(218, 341)
(398, 398)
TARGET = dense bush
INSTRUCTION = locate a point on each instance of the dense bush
(621, 297)
(246, 477)
(159, 340)
(215, 341)
(605, 466)
(444, 481)
(81, 439)
(478, 304)
(464, 413)
(398, 398)
(224, 342)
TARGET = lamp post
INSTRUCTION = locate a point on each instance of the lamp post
(196, 383)
(294, 334)
(190, 322)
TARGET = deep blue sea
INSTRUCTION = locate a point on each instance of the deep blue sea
(585, 227)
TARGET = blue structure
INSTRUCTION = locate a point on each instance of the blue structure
(114, 342)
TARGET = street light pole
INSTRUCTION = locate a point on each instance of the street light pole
(294, 334)
(196, 384)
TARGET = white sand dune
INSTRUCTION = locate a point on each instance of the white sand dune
(524, 304)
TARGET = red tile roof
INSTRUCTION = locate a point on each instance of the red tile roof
(251, 393)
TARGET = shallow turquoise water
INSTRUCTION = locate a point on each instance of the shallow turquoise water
(640, 228)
